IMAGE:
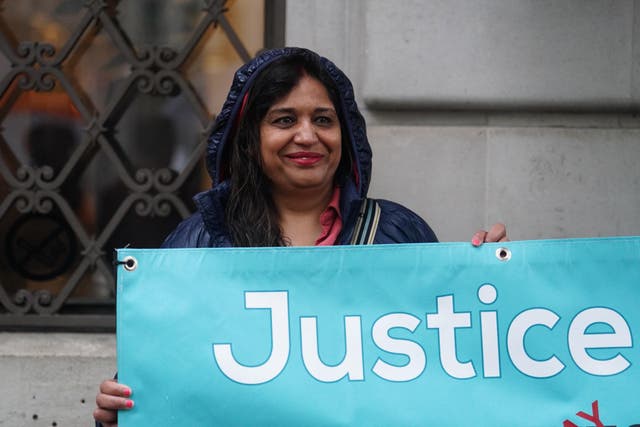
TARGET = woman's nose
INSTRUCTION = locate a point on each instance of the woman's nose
(306, 133)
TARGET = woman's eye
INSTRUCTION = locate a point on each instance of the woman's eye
(324, 120)
(284, 121)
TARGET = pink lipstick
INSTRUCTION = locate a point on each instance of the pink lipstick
(304, 158)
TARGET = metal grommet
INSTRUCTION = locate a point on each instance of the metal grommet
(130, 263)
(503, 254)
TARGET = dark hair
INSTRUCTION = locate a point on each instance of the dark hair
(251, 216)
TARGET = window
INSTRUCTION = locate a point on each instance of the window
(105, 108)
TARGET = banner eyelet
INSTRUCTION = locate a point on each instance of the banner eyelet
(503, 254)
(130, 263)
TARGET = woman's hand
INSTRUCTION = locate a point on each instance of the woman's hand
(497, 233)
(111, 398)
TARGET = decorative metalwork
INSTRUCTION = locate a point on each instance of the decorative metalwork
(34, 192)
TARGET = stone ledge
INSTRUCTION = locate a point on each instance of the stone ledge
(41, 344)
(565, 56)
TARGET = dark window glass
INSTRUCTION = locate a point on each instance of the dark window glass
(104, 109)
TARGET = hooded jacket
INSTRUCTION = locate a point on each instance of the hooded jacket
(206, 228)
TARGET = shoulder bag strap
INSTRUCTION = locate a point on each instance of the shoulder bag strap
(367, 224)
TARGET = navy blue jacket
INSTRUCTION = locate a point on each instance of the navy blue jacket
(206, 228)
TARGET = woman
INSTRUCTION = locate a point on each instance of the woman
(291, 165)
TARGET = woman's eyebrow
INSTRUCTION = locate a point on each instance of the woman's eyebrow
(290, 110)
(325, 110)
(281, 110)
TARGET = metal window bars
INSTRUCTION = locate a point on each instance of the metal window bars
(49, 250)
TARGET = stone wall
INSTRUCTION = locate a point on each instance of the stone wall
(485, 111)
(51, 379)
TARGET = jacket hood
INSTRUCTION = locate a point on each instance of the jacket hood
(352, 119)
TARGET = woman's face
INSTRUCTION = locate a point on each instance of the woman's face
(300, 139)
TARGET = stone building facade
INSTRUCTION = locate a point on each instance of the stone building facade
(523, 112)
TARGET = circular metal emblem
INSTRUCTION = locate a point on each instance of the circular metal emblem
(40, 247)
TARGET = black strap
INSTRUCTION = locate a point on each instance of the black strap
(367, 224)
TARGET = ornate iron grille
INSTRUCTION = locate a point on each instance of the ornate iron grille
(101, 142)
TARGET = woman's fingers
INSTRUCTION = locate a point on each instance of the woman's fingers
(111, 398)
(114, 388)
(478, 237)
(105, 416)
(497, 233)
(113, 403)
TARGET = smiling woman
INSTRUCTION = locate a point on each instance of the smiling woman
(300, 140)
(290, 157)
(300, 143)
(290, 162)
(291, 165)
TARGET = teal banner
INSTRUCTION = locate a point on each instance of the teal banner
(528, 333)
